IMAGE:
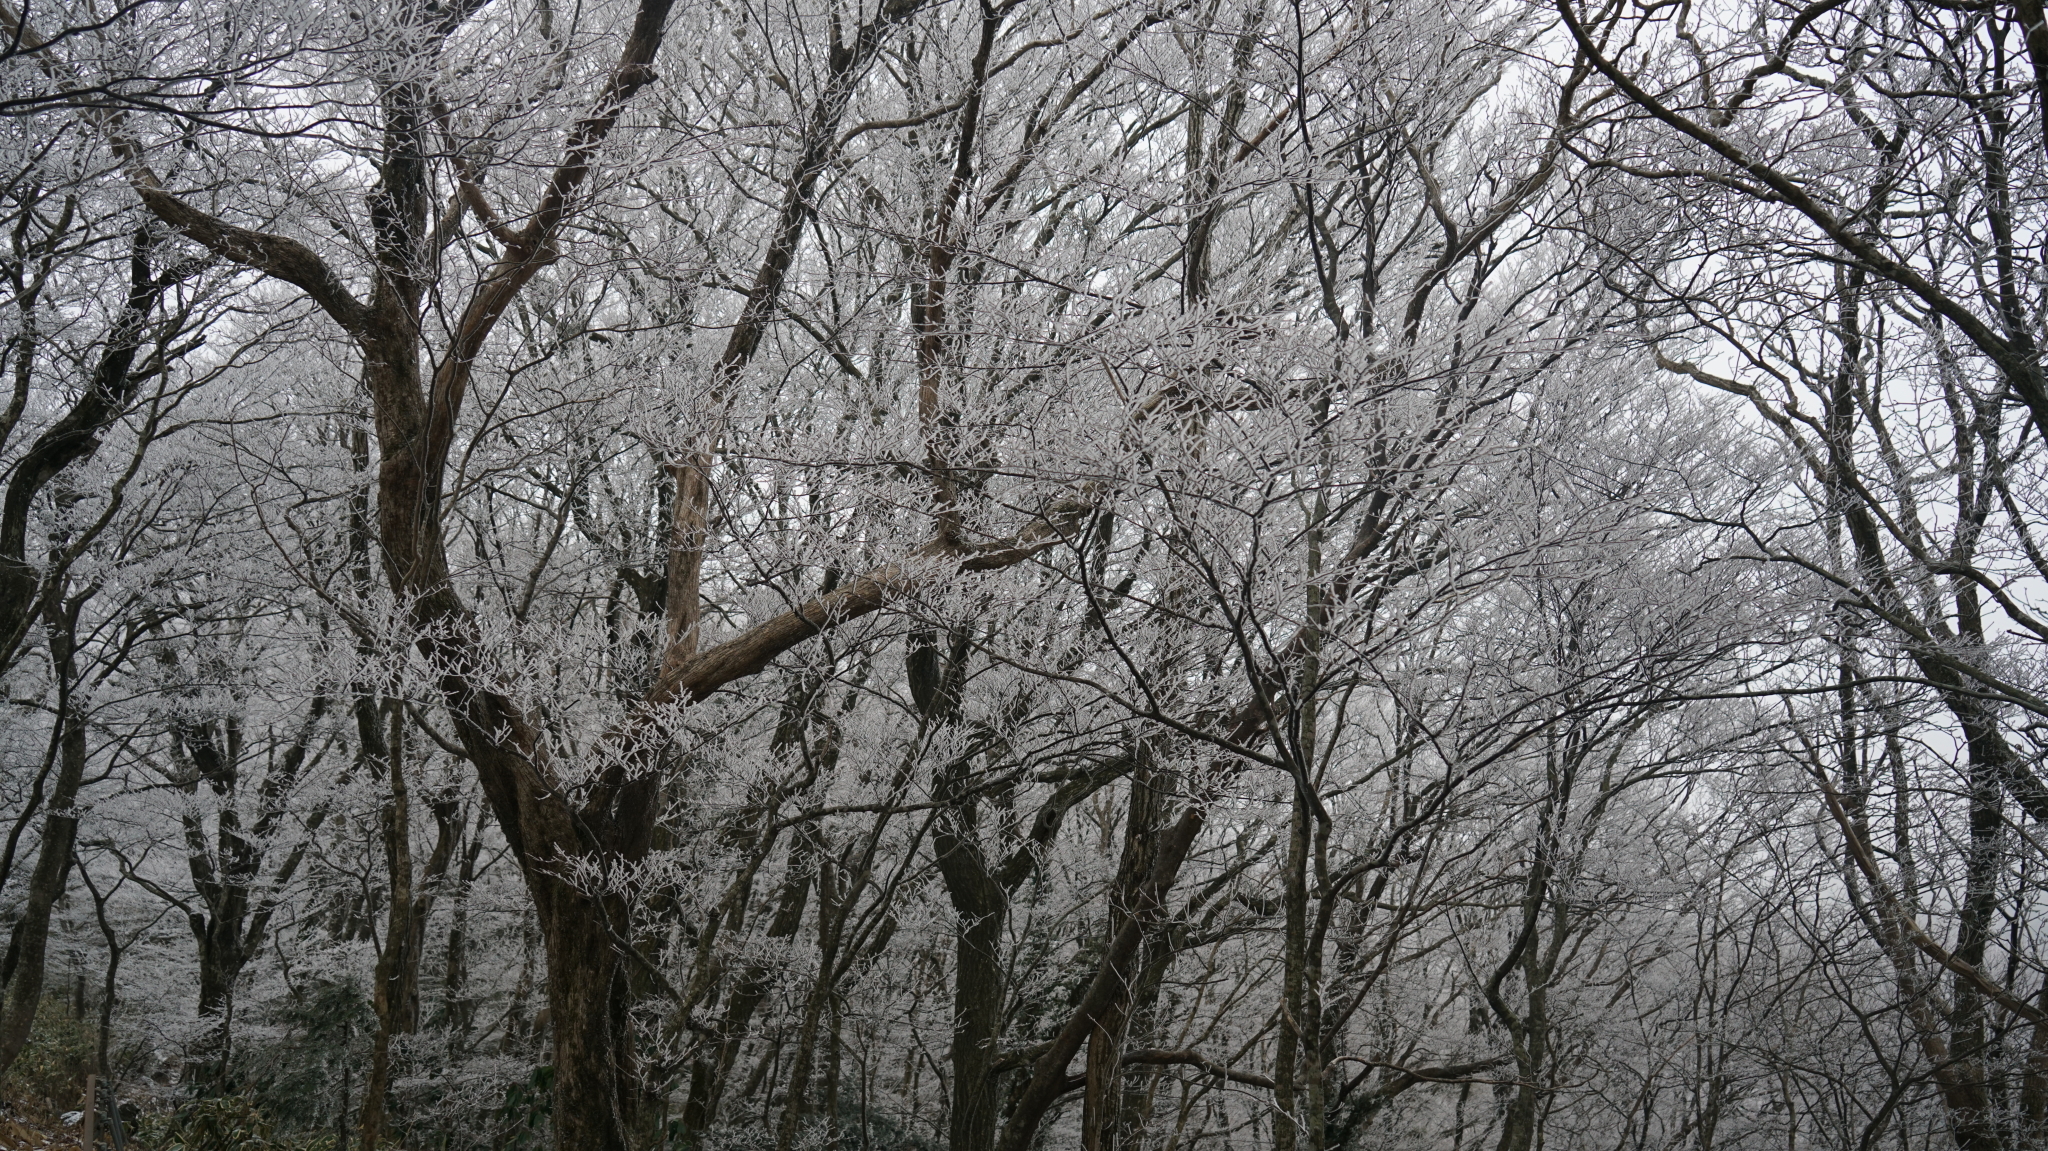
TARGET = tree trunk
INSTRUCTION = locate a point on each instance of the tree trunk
(1287, 1122)
(220, 967)
(396, 996)
(599, 1101)
(455, 978)
(1973, 1121)
(1102, 1102)
(1526, 1031)
(983, 908)
(831, 922)
(73, 437)
(1109, 987)
(27, 947)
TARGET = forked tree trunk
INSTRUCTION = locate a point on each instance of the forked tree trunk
(1110, 987)
(597, 1095)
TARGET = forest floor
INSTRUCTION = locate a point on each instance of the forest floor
(23, 1133)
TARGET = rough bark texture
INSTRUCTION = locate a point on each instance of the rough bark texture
(978, 986)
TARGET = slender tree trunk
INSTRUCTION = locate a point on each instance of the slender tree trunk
(709, 1078)
(1102, 1103)
(73, 437)
(1973, 1119)
(395, 994)
(1107, 989)
(831, 920)
(1294, 934)
(109, 987)
(1518, 1124)
(455, 977)
(835, 1050)
(27, 947)
(2034, 1081)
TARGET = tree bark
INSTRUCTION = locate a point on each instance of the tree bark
(73, 437)
(396, 993)
(978, 988)
(1108, 987)
(27, 946)
(1102, 1101)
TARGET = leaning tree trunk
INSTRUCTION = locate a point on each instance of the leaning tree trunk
(73, 437)
(1110, 987)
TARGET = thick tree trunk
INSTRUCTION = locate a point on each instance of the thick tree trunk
(600, 1104)
(983, 908)
(221, 960)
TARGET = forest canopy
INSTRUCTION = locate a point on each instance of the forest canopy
(1010, 574)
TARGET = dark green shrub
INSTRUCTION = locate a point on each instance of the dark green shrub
(222, 1123)
(523, 1118)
